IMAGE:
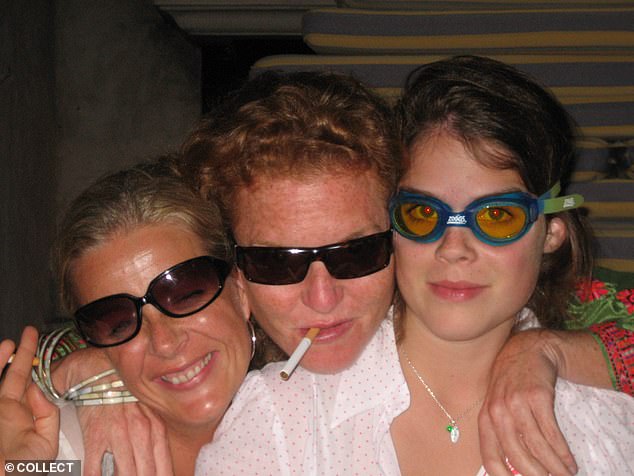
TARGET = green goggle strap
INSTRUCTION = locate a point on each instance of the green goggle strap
(551, 203)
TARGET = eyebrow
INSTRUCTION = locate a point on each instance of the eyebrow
(494, 194)
(353, 236)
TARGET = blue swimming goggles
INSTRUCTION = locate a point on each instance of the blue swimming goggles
(496, 220)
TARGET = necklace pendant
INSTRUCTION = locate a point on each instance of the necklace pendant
(454, 433)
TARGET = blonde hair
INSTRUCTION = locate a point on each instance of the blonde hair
(149, 193)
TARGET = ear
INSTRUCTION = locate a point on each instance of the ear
(243, 300)
(556, 234)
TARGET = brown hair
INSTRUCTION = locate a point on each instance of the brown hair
(292, 125)
(487, 103)
(148, 193)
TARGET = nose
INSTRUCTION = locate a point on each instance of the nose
(321, 292)
(167, 336)
(456, 245)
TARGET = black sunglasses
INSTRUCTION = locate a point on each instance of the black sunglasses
(347, 260)
(180, 291)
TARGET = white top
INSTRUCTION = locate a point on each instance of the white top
(71, 445)
(339, 424)
(313, 423)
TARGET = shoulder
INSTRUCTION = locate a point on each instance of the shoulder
(572, 397)
(598, 425)
(245, 441)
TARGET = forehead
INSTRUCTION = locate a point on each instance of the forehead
(444, 166)
(128, 260)
(312, 211)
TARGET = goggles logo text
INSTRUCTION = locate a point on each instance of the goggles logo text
(457, 220)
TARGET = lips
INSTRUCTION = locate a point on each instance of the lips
(456, 291)
(188, 374)
(329, 332)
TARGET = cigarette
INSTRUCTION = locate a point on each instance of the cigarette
(36, 360)
(299, 352)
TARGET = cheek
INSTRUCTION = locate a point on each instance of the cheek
(409, 256)
(520, 265)
(264, 299)
(127, 359)
(223, 322)
(379, 286)
(531, 249)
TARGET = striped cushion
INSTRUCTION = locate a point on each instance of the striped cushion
(597, 90)
(607, 198)
(592, 163)
(349, 31)
(615, 245)
(610, 204)
(477, 4)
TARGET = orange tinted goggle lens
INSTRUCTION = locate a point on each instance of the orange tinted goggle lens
(501, 222)
(418, 219)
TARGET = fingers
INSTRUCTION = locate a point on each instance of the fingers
(551, 448)
(93, 444)
(528, 440)
(517, 417)
(104, 429)
(511, 440)
(139, 431)
(160, 446)
(126, 432)
(92, 461)
(493, 458)
(18, 375)
(46, 416)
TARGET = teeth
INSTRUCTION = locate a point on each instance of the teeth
(185, 377)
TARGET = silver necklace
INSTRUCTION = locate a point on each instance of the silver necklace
(452, 428)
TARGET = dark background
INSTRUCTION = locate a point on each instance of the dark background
(88, 87)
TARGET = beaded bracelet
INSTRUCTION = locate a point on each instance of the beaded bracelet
(617, 345)
(80, 394)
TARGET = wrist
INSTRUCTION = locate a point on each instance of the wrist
(551, 346)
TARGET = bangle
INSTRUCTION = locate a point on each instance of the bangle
(68, 343)
(618, 347)
(41, 374)
(82, 393)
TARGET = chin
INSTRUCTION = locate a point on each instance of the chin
(329, 365)
(197, 415)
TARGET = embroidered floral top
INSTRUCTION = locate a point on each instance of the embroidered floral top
(607, 310)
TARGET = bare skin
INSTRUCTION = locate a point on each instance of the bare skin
(29, 422)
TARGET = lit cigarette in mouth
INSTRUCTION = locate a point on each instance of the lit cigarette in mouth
(36, 361)
(299, 352)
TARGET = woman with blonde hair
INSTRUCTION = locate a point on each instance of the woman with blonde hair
(145, 268)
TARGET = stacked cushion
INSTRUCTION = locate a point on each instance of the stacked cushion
(554, 31)
(471, 5)
(597, 90)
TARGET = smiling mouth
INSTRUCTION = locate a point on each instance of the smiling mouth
(185, 376)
